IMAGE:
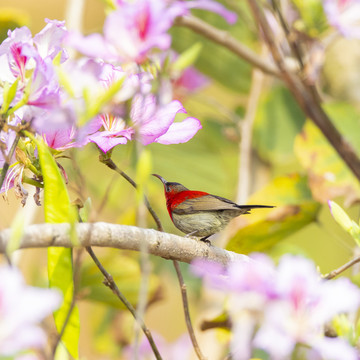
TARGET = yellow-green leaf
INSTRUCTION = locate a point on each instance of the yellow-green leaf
(263, 229)
(58, 209)
(188, 57)
(266, 233)
(329, 176)
(342, 218)
(9, 92)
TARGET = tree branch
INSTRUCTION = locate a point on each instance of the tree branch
(223, 38)
(306, 96)
(341, 269)
(167, 246)
(109, 281)
(187, 312)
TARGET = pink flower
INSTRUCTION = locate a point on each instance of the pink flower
(190, 80)
(344, 15)
(155, 123)
(277, 309)
(149, 123)
(131, 31)
(113, 132)
(137, 27)
(22, 307)
(213, 6)
(30, 61)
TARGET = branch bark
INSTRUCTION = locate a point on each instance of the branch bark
(167, 246)
(223, 38)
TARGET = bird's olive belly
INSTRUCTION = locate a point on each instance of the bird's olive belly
(204, 223)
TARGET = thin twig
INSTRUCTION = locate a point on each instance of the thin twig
(108, 162)
(306, 97)
(246, 126)
(224, 39)
(109, 281)
(187, 311)
(293, 44)
(341, 269)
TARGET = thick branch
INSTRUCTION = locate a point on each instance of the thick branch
(167, 246)
(223, 38)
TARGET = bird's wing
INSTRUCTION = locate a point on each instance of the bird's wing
(205, 203)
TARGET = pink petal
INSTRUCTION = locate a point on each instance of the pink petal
(159, 123)
(180, 132)
(106, 142)
(215, 7)
(93, 45)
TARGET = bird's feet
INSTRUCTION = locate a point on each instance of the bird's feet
(205, 240)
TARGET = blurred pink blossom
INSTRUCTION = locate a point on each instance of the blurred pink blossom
(213, 6)
(344, 15)
(278, 308)
(131, 31)
(137, 27)
(22, 308)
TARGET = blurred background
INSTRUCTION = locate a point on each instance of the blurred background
(291, 166)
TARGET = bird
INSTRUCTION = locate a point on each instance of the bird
(198, 213)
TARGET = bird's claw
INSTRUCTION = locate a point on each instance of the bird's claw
(208, 242)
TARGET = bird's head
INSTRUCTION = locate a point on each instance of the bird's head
(171, 188)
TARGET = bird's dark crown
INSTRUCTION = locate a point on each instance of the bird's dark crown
(174, 187)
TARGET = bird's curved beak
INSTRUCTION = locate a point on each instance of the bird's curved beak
(160, 177)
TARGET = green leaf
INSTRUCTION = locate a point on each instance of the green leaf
(344, 327)
(313, 19)
(127, 277)
(9, 92)
(329, 176)
(188, 57)
(266, 233)
(58, 209)
(265, 228)
(278, 120)
(342, 218)
(24, 99)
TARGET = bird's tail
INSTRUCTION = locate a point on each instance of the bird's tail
(254, 206)
(247, 208)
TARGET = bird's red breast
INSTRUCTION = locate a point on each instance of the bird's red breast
(173, 199)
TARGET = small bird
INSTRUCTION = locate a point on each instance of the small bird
(197, 213)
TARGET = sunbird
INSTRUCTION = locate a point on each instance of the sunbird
(198, 213)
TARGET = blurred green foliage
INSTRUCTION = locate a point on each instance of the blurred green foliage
(295, 209)
(126, 274)
(11, 18)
